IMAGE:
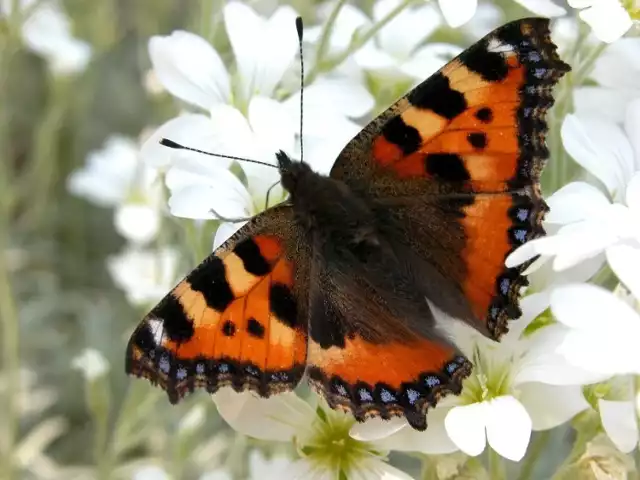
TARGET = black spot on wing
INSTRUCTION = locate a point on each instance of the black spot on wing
(325, 326)
(404, 136)
(491, 66)
(437, 95)
(446, 166)
(478, 140)
(283, 304)
(210, 279)
(485, 115)
(177, 325)
(228, 328)
(255, 328)
(143, 337)
(252, 259)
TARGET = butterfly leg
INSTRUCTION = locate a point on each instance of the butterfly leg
(266, 201)
(229, 219)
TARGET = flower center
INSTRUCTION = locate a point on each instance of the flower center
(491, 378)
(633, 7)
(331, 446)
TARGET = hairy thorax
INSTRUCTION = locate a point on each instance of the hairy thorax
(329, 211)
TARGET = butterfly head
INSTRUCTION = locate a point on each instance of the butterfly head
(291, 171)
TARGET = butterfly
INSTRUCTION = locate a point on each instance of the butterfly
(342, 282)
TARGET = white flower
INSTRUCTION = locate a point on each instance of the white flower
(616, 71)
(619, 415)
(516, 387)
(608, 18)
(590, 223)
(599, 330)
(91, 363)
(115, 177)
(255, 126)
(397, 49)
(145, 276)
(47, 31)
(459, 12)
(321, 435)
(149, 472)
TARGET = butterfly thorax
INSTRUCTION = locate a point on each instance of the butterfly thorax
(326, 208)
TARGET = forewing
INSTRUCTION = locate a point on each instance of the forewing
(454, 166)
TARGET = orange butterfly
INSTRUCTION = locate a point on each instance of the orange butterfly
(424, 203)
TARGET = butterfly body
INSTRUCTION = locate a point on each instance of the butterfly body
(348, 280)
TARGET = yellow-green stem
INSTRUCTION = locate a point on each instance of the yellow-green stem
(496, 465)
(535, 450)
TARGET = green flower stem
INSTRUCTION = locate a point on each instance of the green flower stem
(636, 402)
(41, 169)
(8, 307)
(586, 425)
(496, 465)
(357, 42)
(98, 399)
(323, 44)
(10, 345)
(536, 448)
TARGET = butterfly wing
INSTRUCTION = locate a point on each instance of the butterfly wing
(451, 171)
(236, 320)
(372, 349)
(455, 165)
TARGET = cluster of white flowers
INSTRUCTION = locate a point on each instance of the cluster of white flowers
(47, 31)
(572, 334)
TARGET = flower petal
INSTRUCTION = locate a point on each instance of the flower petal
(433, 441)
(342, 95)
(551, 405)
(224, 232)
(632, 127)
(263, 49)
(373, 468)
(542, 363)
(633, 193)
(277, 418)
(306, 469)
(585, 307)
(625, 262)
(620, 423)
(608, 19)
(465, 426)
(601, 148)
(407, 30)
(376, 429)
(190, 130)
(508, 427)
(188, 67)
(272, 125)
(546, 8)
(428, 59)
(575, 201)
(137, 223)
(457, 12)
(603, 329)
(532, 305)
(592, 100)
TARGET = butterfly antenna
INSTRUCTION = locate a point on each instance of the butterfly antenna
(171, 144)
(299, 29)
